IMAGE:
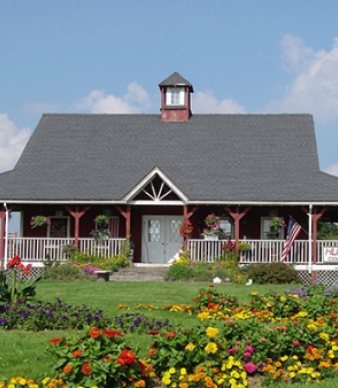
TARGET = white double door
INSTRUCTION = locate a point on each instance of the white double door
(161, 239)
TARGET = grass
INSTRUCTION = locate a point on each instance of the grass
(24, 353)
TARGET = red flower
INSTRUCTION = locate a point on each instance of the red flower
(16, 260)
(152, 352)
(154, 332)
(127, 357)
(55, 341)
(310, 349)
(295, 343)
(86, 369)
(112, 333)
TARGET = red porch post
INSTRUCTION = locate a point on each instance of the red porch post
(77, 214)
(127, 215)
(237, 216)
(2, 236)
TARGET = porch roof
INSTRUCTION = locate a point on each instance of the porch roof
(237, 158)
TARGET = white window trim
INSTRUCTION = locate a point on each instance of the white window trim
(171, 91)
(265, 229)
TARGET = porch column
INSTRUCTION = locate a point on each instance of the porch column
(77, 214)
(127, 215)
(237, 216)
(315, 217)
(2, 237)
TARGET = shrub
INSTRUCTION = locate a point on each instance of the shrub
(272, 273)
(179, 271)
(64, 272)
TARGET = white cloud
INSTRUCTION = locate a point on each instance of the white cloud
(205, 102)
(135, 101)
(12, 142)
(314, 88)
(333, 169)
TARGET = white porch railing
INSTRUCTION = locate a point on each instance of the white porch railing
(38, 250)
(262, 251)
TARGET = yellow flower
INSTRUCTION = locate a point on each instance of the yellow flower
(292, 375)
(183, 371)
(11, 386)
(211, 347)
(190, 347)
(284, 358)
(254, 293)
(282, 298)
(166, 379)
(172, 370)
(212, 332)
(324, 336)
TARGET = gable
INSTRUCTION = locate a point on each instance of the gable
(156, 188)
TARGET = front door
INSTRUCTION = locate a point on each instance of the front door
(160, 238)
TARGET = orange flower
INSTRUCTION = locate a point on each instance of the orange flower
(55, 341)
(94, 332)
(170, 335)
(77, 353)
(140, 384)
(68, 369)
(86, 369)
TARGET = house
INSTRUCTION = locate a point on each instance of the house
(148, 172)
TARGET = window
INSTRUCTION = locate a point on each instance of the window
(175, 96)
(226, 228)
(267, 234)
(59, 227)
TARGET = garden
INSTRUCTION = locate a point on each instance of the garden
(180, 333)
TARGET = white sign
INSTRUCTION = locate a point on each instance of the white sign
(330, 254)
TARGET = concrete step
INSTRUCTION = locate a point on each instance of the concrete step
(140, 272)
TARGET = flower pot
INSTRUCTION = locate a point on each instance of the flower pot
(274, 229)
(211, 237)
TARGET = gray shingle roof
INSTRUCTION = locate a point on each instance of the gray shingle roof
(175, 79)
(227, 158)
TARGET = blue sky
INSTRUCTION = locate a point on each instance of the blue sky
(73, 56)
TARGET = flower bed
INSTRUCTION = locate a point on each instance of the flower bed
(292, 336)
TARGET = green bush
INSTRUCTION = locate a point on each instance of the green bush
(64, 272)
(272, 273)
(180, 271)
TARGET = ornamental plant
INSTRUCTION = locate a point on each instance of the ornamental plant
(39, 221)
(99, 358)
(212, 224)
(276, 222)
(101, 220)
(186, 229)
(12, 285)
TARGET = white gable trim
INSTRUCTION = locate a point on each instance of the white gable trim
(145, 181)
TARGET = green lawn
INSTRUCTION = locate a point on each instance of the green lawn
(24, 353)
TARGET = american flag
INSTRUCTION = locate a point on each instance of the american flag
(293, 231)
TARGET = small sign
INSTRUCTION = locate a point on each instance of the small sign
(330, 254)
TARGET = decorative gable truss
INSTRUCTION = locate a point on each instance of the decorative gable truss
(156, 188)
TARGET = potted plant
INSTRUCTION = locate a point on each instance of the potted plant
(101, 220)
(39, 221)
(212, 230)
(276, 223)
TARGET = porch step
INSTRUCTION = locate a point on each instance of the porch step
(140, 272)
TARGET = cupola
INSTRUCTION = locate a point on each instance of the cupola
(175, 98)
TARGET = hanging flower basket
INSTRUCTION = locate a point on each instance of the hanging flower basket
(101, 220)
(39, 221)
(212, 227)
